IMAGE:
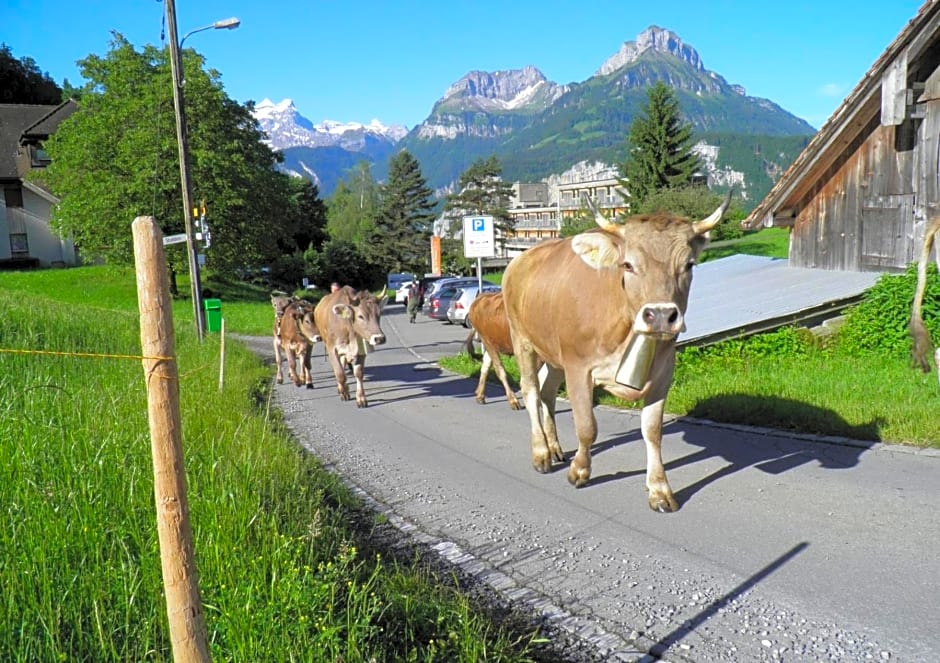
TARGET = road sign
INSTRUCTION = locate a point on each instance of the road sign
(479, 237)
(174, 239)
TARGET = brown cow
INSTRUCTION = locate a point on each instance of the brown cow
(917, 328)
(578, 303)
(280, 301)
(295, 333)
(487, 316)
(349, 321)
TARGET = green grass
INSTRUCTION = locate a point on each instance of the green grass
(286, 558)
(769, 242)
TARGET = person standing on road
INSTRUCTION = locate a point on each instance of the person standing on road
(414, 301)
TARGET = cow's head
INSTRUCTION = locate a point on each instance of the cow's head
(363, 312)
(653, 256)
(280, 301)
(301, 311)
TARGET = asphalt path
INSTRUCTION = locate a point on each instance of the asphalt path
(784, 548)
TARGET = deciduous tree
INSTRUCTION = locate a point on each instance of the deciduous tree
(117, 158)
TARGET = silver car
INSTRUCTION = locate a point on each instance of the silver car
(460, 304)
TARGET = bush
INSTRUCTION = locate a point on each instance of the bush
(879, 323)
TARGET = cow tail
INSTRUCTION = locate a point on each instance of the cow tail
(468, 345)
(918, 329)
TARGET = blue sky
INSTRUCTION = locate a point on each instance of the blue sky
(391, 61)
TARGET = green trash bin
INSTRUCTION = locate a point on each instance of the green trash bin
(213, 309)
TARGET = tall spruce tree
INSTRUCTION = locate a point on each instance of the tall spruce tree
(401, 238)
(659, 153)
(481, 190)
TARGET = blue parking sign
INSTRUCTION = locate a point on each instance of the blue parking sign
(478, 237)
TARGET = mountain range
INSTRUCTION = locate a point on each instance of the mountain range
(538, 128)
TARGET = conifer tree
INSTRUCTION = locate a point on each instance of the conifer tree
(481, 190)
(659, 147)
(401, 238)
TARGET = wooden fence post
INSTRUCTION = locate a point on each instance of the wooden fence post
(177, 557)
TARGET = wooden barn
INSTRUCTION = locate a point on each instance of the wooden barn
(859, 196)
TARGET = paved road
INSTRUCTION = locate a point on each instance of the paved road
(784, 549)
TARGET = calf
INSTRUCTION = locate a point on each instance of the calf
(349, 321)
(280, 301)
(487, 316)
(295, 333)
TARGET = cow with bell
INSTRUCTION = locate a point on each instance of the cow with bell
(603, 308)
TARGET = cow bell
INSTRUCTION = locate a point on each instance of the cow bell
(637, 360)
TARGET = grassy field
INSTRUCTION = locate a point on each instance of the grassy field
(286, 559)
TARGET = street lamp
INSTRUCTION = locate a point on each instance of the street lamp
(176, 68)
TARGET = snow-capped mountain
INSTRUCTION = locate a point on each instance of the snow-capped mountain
(286, 127)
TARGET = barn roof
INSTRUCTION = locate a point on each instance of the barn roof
(857, 111)
(742, 294)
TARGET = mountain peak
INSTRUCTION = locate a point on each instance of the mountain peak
(654, 38)
(286, 127)
(504, 90)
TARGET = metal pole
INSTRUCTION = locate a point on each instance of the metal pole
(186, 183)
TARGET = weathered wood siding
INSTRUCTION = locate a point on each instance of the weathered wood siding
(859, 215)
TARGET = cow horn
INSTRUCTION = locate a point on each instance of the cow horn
(706, 224)
(383, 293)
(599, 218)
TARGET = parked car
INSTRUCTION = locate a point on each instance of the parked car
(401, 295)
(437, 304)
(439, 301)
(460, 304)
(396, 279)
(451, 281)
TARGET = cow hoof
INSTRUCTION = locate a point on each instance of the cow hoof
(578, 477)
(362, 404)
(664, 504)
(309, 386)
(481, 400)
(515, 405)
(543, 466)
(279, 380)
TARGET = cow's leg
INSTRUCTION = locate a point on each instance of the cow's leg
(484, 371)
(292, 357)
(305, 362)
(529, 382)
(279, 375)
(339, 372)
(497, 363)
(581, 396)
(358, 373)
(549, 382)
(651, 424)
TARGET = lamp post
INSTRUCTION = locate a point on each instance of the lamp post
(176, 69)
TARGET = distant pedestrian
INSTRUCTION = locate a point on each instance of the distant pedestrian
(334, 286)
(414, 301)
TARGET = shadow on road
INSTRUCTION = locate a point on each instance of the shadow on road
(661, 647)
(770, 453)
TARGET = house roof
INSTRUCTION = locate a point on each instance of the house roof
(724, 302)
(27, 121)
(858, 109)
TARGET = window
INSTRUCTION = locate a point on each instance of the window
(39, 158)
(13, 197)
(19, 244)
